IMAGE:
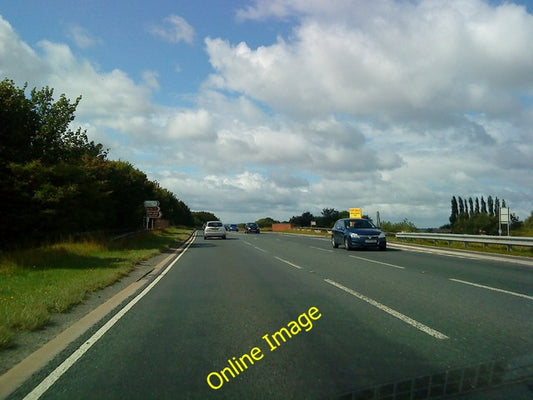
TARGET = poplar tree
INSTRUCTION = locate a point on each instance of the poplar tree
(490, 202)
(455, 211)
(483, 206)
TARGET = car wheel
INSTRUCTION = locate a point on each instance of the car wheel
(224, 237)
(383, 247)
(346, 244)
(333, 243)
(205, 237)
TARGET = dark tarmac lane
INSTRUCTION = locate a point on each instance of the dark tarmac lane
(274, 316)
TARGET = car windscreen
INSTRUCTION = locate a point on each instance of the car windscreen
(359, 224)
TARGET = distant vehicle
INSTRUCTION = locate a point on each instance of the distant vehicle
(233, 228)
(214, 229)
(251, 227)
(357, 233)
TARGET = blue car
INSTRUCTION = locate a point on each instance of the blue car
(251, 227)
(359, 233)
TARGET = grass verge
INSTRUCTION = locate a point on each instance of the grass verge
(35, 283)
(521, 251)
(493, 248)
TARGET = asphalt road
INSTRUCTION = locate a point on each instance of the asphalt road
(274, 316)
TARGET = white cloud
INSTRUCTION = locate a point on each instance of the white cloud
(388, 105)
(434, 56)
(174, 29)
(18, 61)
(196, 124)
(150, 79)
(81, 37)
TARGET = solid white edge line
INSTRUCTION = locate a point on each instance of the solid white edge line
(379, 262)
(418, 325)
(525, 296)
(40, 389)
(287, 262)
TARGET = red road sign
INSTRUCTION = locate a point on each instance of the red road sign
(153, 212)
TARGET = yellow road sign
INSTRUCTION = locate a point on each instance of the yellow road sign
(356, 213)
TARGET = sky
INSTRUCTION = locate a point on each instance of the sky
(271, 108)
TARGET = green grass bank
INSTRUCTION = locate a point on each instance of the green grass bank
(35, 283)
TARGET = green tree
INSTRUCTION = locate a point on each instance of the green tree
(479, 220)
(471, 210)
(393, 227)
(344, 214)
(201, 217)
(174, 210)
(128, 188)
(497, 207)
(302, 220)
(455, 211)
(54, 181)
(490, 203)
(483, 206)
(266, 222)
(19, 124)
(462, 206)
(42, 177)
(329, 216)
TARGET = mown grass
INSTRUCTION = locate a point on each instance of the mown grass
(35, 283)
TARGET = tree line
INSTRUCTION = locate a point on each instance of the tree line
(54, 181)
(330, 215)
(475, 215)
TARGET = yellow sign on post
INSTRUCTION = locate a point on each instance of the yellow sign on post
(356, 213)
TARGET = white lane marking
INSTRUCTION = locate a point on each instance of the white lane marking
(255, 247)
(458, 253)
(418, 325)
(40, 389)
(288, 262)
(379, 262)
(320, 248)
(525, 296)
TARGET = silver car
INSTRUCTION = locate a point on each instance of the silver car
(214, 229)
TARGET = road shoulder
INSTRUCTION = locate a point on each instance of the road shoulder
(32, 350)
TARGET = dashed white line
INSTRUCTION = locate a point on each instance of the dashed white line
(320, 248)
(379, 262)
(525, 296)
(288, 262)
(418, 325)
